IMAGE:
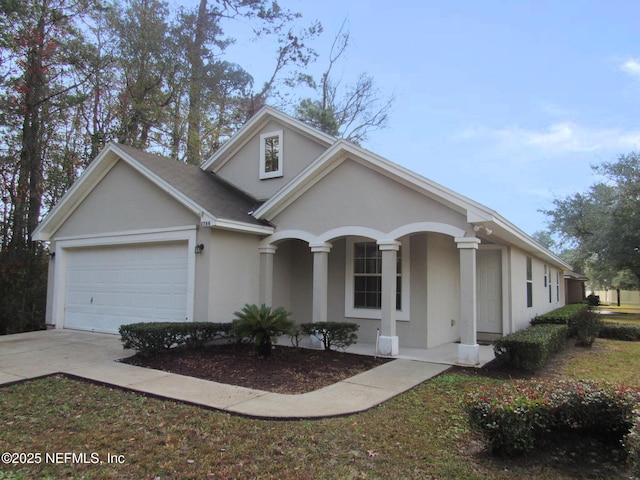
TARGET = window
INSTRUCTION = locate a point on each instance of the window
(557, 286)
(529, 283)
(367, 276)
(363, 280)
(271, 155)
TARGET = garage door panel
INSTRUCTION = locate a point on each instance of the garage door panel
(111, 286)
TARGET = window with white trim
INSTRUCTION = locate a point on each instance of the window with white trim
(271, 155)
(363, 282)
(557, 286)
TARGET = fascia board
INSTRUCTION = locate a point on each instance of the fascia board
(94, 173)
(246, 133)
(342, 149)
(242, 227)
(524, 241)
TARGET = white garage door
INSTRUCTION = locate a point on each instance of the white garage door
(111, 286)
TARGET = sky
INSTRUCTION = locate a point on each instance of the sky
(509, 103)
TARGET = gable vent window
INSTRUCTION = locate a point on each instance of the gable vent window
(271, 155)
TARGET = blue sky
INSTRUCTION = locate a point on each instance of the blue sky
(506, 102)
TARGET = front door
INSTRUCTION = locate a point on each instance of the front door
(489, 290)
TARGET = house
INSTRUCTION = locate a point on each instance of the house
(286, 215)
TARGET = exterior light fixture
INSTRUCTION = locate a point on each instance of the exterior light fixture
(199, 248)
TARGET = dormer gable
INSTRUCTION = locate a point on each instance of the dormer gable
(269, 151)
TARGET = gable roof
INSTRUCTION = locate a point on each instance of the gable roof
(477, 214)
(206, 195)
(255, 123)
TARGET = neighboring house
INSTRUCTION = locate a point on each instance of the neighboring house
(286, 215)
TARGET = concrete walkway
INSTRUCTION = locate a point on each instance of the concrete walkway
(92, 356)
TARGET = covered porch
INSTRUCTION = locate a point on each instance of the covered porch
(319, 289)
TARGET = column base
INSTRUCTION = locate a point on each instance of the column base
(468, 354)
(388, 346)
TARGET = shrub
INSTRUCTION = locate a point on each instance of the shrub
(148, 338)
(593, 300)
(619, 331)
(631, 443)
(529, 349)
(587, 325)
(565, 315)
(333, 334)
(516, 417)
(261, 325)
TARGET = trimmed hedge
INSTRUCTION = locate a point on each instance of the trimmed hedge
(620, 331)
(565, 315)
(333, 334)
(529, 349)
(148, 338)
(518, 416)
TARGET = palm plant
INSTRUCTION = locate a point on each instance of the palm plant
(262, 325)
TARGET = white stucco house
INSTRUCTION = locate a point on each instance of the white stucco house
(286, 215)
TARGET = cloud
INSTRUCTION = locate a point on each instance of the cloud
(632, 67)
(557, 138)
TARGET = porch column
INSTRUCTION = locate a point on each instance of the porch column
(468, 350)
(320, 280)
(388, 344)
(266, 274)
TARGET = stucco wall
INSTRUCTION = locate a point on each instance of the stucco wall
(124, 200)
(521, 314)
(234, 272)
(353, 194)
(443, 297)
(244, 170)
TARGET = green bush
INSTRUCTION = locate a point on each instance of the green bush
(148, 338)
(529, 349)
(631, 443)
(332, 334)
(587, 325)
(261, 325)
(518, 416)
(620, 331)
(565, 315)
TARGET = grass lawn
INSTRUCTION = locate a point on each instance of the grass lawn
(623, 314)
(421, 434)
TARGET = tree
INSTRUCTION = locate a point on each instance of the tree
(352, 112)
(145, 66)
(602, 225)
(41, 52)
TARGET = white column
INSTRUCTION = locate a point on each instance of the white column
(388, 344)
(468, 350)
(320, 280)
(266, 274)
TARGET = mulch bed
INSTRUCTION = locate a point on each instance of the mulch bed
(288, 370)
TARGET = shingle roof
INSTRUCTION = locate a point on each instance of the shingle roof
(205, 188)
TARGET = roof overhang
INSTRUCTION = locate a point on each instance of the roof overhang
(99, 168)
(477, 215)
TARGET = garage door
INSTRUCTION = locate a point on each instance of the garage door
(111, 286)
